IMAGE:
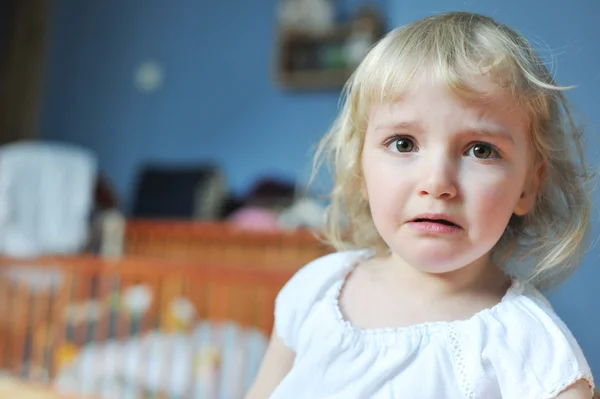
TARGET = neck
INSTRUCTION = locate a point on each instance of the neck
(480, 276)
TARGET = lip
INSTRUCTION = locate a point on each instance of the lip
(435, 216)
(428, 222)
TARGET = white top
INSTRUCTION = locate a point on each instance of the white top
(517, 349)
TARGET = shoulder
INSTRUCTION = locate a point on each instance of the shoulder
(307, 286)
(524, 345)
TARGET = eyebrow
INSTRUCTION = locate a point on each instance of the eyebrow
(497, 131)
(400, 125)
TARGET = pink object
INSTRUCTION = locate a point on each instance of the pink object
(255, 218)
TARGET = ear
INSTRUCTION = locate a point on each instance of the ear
(532, 186)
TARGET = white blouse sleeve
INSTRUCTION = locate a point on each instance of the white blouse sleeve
(296, 299)
(526, 348)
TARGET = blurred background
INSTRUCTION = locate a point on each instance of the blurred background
(183, 119)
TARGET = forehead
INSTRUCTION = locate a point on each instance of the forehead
(480, 101)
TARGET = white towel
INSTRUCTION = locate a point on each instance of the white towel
(46, 194)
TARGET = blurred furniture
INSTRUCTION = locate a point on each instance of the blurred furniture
(184, 192)
(23, 41)
(83, 302)
(46, 198)
(221, 243)
(315, 59)
(11, 388)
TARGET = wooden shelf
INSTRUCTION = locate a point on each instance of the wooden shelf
(311, 60)
(317, 60)
(314, 79)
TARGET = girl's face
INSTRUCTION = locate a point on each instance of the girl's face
(443, 176)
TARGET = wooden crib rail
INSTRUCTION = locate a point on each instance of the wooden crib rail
(222, 242)
(86, 302)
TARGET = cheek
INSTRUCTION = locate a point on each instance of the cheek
(492, 194)
(386, 191)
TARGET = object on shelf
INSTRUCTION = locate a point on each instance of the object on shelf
(325, 58)
(312, 60)
(306, 15)
(366, 28)
(112, 233)
(305, 213)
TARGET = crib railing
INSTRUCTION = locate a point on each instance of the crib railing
(223, 243)
(51, 307)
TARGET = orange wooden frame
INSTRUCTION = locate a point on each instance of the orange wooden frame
(222, 243)
(33, 328)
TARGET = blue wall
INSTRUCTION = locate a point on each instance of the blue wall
(218, 100)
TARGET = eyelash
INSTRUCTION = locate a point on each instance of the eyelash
(396, 138)
(496, 154)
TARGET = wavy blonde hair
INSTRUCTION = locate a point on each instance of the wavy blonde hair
(451, 47)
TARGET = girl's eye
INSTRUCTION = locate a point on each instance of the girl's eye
(402, 144)
(483, 151)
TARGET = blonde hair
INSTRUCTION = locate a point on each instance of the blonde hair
(452, 47)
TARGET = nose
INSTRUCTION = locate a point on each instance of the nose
(438, 179)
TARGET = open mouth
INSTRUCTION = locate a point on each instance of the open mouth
(435, 224)
(440, 221)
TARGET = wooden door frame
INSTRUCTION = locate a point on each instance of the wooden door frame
(22, 69)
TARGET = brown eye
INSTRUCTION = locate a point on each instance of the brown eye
(482, 151)
(404, 145)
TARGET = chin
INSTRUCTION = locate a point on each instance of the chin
(433, 265)
(436, 260)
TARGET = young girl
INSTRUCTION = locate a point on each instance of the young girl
(453, 155)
